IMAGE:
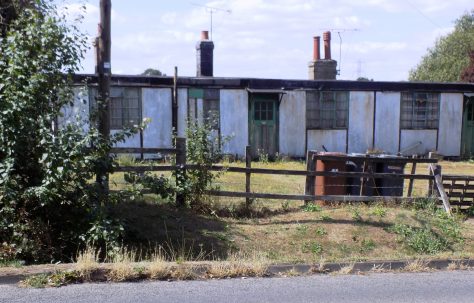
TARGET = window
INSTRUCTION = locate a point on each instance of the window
(210, 106)
(263, 111)
(419, 110)
(327, 109)
(125, 106)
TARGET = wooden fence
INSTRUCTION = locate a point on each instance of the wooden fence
(367, 173)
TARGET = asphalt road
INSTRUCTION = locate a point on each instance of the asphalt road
(453, 286)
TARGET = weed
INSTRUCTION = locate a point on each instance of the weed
(347, 269)
(418, 265)
(183, 271)
(379, 211)
(355, 214)
(158, 268)
(424, 204)
(239, 264)
(320, 231)
(302, 229)
(367, 245)
(262, 156)
(311, 208)
(36, 281)
(122, 266)
(457, 265)
(312, 247)
(291, 273)
(285, 206)
(325, 217)
(87, 262)
(420, 240)
(59, 278)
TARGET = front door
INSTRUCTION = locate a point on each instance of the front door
(263, 121)
(467, 145)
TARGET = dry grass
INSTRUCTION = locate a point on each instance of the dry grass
(87, 262)
(239, 265)
(345, 270)
(122, 267)
(458, 265)
(184, 271)
(418, 265)
(158, 268)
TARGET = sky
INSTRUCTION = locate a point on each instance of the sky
(377, 39)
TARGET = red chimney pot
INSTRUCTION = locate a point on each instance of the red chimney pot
(316, 48)
(327, 45)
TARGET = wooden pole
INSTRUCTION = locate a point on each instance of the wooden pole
(104, 73)
(180, 144)
(174, 113)
(310, 180)
(410, 185)
(141, 144)
(438, 180)
(248, 164)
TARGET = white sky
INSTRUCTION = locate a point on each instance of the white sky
(273, 39)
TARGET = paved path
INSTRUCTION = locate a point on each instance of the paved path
(454, 286)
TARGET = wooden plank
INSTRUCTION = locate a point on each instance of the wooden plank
(461, 195)
(335, 198)
(436, 170)
(318, 173)
(410, 185)
(458, 177)
(309, 188)
(361, 159)
(142, 169)
(458, 186)
(145, 150)
(248, 164)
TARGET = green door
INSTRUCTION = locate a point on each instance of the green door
(263, 121)
(467, 145)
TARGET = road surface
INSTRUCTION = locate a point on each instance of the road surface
(449, 286)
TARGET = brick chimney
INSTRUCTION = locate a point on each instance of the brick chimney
(322, 69)
(204, 56)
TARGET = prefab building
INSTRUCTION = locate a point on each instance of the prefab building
(289, 117)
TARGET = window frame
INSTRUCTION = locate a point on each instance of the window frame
(418, 114)
(119, 94)
(328, 109)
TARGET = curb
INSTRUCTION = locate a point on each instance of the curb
(280, 269)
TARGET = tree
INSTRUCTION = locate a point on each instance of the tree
(468, 74)
(49, 208)
(450, 54)
(152, 72)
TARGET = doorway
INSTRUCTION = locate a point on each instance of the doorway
(263, 122)
(467, 141)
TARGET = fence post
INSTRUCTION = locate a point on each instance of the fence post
(310, 167)
(141, 143)
(181, 170)
(248, 164)
(413, 170)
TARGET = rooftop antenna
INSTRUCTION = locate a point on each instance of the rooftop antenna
(339, 31)
(211, 10)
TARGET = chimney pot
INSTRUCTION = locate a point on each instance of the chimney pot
(327, 45)
(204, 35)
(316, 48)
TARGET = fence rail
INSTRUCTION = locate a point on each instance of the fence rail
(364, 176)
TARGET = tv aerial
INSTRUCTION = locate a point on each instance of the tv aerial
(339, 31)
(211, 10)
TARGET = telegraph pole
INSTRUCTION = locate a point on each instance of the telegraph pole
(104, 73)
